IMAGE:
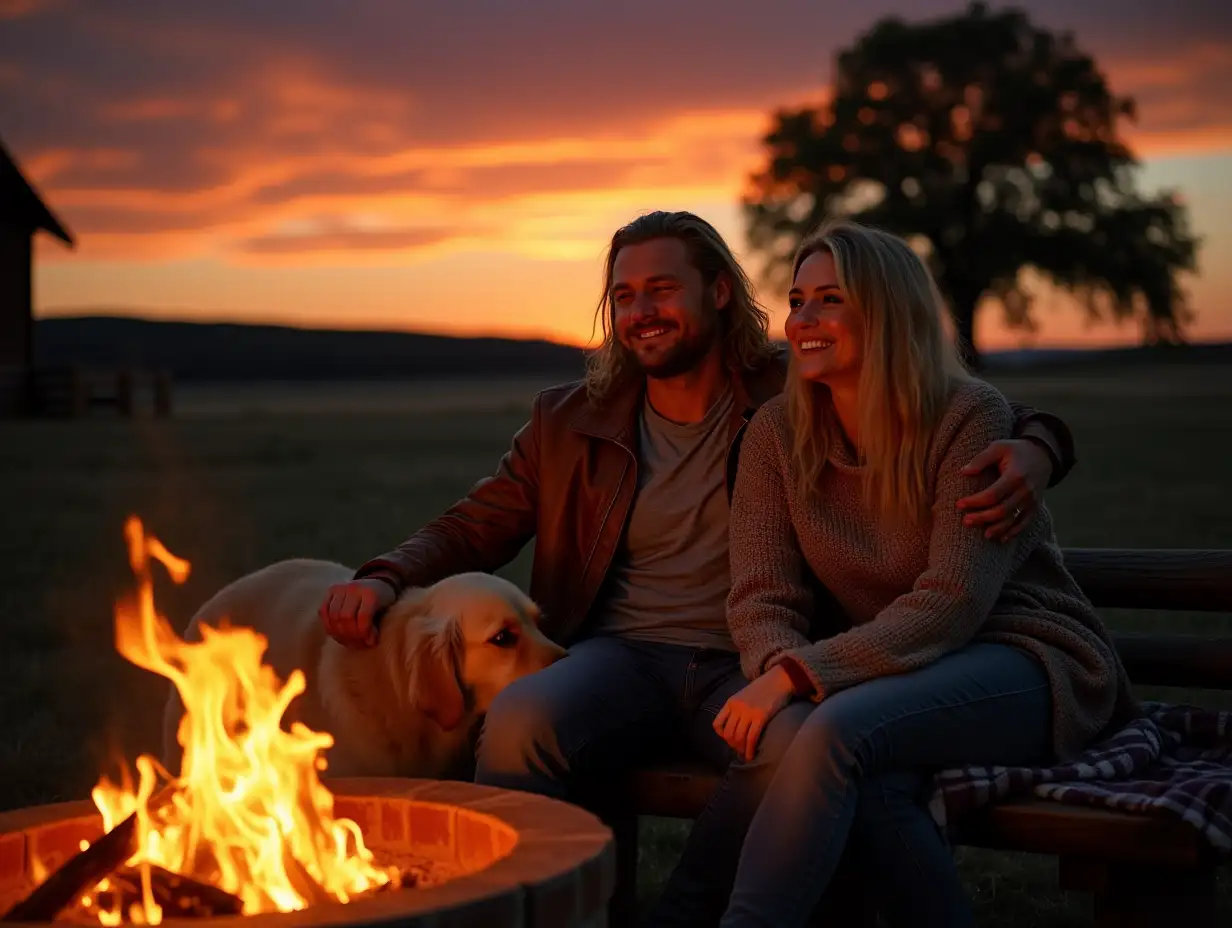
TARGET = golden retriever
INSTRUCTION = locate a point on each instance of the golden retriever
(407, 706)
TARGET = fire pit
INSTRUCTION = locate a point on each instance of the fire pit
(247, 829)
(507, 858)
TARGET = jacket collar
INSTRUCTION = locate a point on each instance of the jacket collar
(616, 419)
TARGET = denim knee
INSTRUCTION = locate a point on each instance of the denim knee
(781, 732)
(519, 735)
(828, 745)
(772, 748)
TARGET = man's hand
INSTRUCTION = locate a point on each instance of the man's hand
(1007, 506)
(745, 715)
(350, 609)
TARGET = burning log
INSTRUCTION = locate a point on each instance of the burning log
(79, 873)
(301, 880)
(85, 869)
(179, 896)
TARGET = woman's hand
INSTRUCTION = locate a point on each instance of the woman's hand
(745, 715)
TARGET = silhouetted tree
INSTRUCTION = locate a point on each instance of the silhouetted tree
(995, 145)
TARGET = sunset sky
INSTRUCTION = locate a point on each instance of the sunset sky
(459, 165)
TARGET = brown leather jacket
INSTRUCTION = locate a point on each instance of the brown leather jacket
(568, 482)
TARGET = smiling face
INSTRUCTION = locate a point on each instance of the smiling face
(662, 310)
(825, 330)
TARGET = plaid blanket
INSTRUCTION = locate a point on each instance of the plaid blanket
(1176, 760)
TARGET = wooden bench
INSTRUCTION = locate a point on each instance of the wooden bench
(1140, 870)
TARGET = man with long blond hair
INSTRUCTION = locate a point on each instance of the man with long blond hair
(623, 481)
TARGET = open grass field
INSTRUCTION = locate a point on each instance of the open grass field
(245, 476)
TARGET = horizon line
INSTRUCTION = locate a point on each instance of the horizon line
(78, 315)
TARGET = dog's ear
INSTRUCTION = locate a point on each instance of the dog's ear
(435, 689)
(534, 613)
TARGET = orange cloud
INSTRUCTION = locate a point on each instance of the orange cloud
(304, 148)
(1182, 100)
(145, 110)
(344, 238)
(17, 9)
(503, 186)
(304, 144)
(1169, 143)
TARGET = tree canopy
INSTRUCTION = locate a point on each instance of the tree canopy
(993, 145)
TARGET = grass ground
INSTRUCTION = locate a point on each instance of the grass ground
(241, 478)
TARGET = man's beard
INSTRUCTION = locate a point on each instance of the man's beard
(687, 353)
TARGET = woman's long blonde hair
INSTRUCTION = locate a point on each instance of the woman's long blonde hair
(744, 324)
(909, 369)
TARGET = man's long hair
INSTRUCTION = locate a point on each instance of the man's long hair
(743, 323)
(909, 369)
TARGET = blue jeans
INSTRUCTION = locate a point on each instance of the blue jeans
(613, 703)
(698, 889)
(859, 766)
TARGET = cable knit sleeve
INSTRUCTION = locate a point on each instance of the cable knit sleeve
(953, 597)
(769, 602)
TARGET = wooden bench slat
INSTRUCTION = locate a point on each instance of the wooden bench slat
(670, 790)
(1033, 825)
(1043, 826)
(1148, 578)
(1191, 661)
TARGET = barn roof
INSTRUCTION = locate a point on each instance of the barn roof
(19, 201)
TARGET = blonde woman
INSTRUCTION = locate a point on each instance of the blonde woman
(961, 649)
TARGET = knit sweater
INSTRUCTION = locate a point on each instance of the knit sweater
(910, 593)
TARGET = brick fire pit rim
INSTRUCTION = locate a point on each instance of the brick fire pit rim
(564, 860)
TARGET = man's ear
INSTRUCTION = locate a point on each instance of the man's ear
(434, 660)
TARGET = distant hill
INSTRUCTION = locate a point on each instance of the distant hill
(1095, 359)
(237, 352)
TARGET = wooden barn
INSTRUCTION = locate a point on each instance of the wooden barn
(22, 214)
(25, 387)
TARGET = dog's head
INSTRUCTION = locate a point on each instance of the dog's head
(465, 639)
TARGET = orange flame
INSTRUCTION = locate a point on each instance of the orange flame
(248, 812)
